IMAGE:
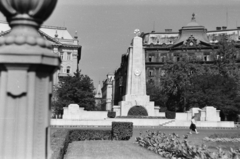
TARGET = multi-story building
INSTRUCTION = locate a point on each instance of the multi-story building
(107, 93)
(63, 44)
(193, 41)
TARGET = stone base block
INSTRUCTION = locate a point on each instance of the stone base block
(136, 99)
(116, 108)
(74, 112)
(125, 106)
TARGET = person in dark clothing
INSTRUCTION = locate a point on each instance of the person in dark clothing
(193, 126)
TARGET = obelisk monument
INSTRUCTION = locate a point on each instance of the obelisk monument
(136, 81)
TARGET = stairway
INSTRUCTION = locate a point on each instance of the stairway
(168, 122)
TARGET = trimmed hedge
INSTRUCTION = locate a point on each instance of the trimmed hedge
(230, 136)
(59, 143)
(141, 117)
(137, 111)
(122, 130)
(81, 135)
(111, 114)
(62, 137)
(170, 115)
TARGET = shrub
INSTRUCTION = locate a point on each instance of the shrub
(111, 114)
(59, 143)
(137, 111)
(81, 135)
(170, 115)
(122, 130)
(171, 146)
(235, 135)
(141, 117)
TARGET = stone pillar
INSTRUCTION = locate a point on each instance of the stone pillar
(136, 67)
(27, 65)
(136, 80)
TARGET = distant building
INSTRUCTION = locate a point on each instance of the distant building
(193, 41)
(63, 44)
(107, 93)
(98, 97)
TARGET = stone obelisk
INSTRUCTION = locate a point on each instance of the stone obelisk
(136, 81)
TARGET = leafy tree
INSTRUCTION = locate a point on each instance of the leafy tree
(77, 89)
(225, 57)
(213, 90)
(176, 81)
(156, 95)
(186, 85)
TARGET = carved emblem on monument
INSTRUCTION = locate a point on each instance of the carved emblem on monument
(137, 72)
(137, 32)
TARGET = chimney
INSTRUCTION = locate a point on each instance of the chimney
(168, 30)
(224, 27)
(218, 28)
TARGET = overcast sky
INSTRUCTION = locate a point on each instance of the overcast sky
(105, 27)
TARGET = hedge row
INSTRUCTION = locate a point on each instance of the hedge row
(59, 143)
(111, 114)
(222, 139)
(170, 115)
(141, 117)
(235, 135)
(81, 135)
(120, 131)
(62, 137)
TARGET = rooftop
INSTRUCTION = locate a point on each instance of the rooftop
(62, 32)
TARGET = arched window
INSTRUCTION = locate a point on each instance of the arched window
(150, 73)
(68, 69)
(69, 56)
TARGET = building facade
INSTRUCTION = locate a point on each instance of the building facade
(107, 93)
(193, 41)
(63, 44)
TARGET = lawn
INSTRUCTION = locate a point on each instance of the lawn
(129, 149)
(107, 150)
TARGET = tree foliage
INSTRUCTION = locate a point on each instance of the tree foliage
(77, 89)
(188, 84)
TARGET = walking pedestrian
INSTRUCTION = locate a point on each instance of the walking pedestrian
(193, 126)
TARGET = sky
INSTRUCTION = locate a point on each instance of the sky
(106, 27)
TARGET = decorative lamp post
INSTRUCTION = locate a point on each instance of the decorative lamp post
(27, 64)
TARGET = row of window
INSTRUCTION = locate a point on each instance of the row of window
(151, 73)
(66, 56)
(151, 58)
(65, 69)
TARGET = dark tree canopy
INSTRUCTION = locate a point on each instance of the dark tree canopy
(77, 89)
(188, 84)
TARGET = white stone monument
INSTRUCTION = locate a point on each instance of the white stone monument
(74, 112)
(136, 82)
